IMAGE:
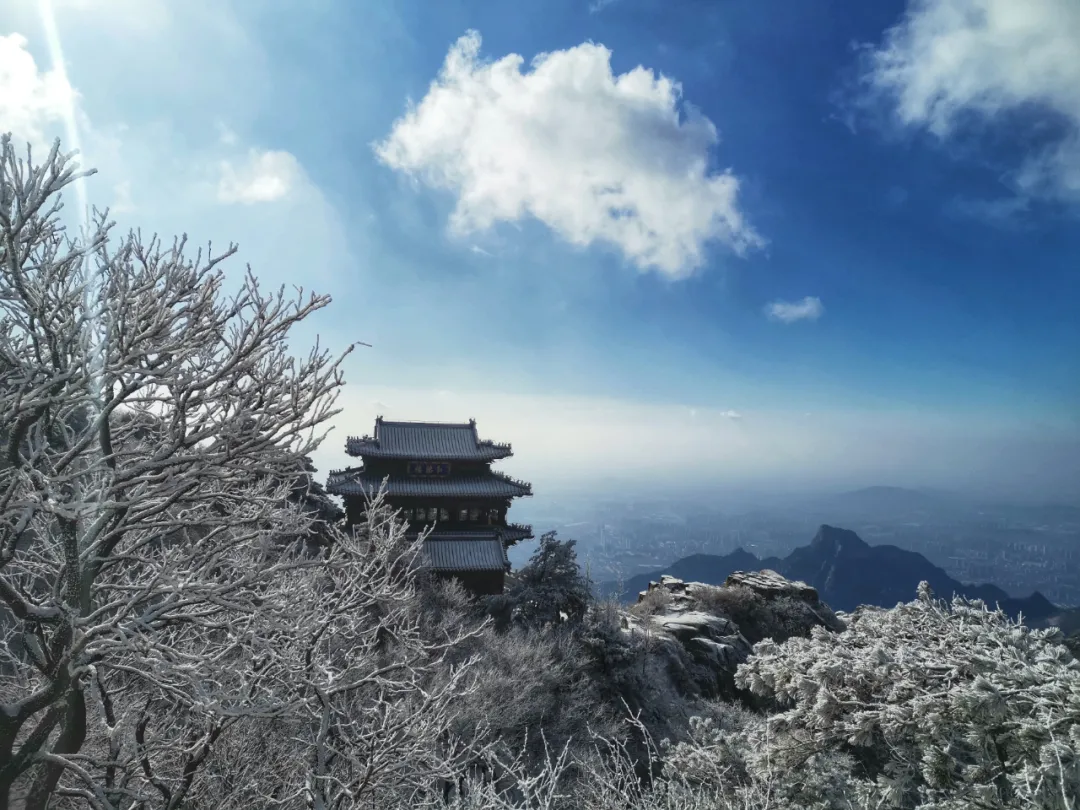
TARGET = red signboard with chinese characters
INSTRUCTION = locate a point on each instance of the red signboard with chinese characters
(433, 469)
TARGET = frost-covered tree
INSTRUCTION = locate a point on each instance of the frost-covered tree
(161, 646)
(372, 697)
(927, 705)
(549, 589)
(314, 497)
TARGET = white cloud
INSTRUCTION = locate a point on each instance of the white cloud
(226, 135)
(730, 414)
(1055, 172)
(808, 309)
(596, 157)
(949, 62)
(32, 102)
(265, 176)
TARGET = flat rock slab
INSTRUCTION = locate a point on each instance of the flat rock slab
(691, 623)
(770, 584)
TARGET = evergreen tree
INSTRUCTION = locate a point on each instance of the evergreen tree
(550, 589)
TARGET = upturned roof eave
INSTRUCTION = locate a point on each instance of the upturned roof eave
(356, 483)
(494, 453)
(426, 440)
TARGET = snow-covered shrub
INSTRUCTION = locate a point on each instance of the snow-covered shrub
(778, 618)
(729, 753)
(655, 601)
(931, 705)
(607, 774)
(928, 705)
(1072, 643)
(528, 680)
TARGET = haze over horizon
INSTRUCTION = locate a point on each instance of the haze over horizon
(652, 245)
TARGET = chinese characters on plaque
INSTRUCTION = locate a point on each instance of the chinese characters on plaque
(429, 468)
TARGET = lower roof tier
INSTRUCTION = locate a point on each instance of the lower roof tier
(508, 534)
(446, 553)
(490, 485)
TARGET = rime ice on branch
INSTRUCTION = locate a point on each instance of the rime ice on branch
(161, 646)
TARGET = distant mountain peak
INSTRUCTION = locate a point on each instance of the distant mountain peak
(832, 538)
(1038, 605)
(847, 572)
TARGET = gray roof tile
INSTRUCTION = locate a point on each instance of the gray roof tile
(448, 554)
(492, 485)
(426, 440)
(509, 534)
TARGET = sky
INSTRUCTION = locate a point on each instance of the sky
(658, 244)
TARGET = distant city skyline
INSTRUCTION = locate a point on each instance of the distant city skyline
(669, 244)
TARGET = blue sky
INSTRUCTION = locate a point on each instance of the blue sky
(822, 244)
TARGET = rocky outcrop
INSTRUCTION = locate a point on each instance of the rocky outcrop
(705, 647)
(847, 573)
(771, 585)
(688, 625)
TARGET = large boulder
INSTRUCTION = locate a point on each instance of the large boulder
(771, 585)
(707, 646)
(685, 625)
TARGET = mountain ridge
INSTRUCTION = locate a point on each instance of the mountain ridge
(847, 572)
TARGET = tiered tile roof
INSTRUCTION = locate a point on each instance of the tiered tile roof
(426, 440)
(447, 552)
(510, 533)
(448, 547)
(491, 485)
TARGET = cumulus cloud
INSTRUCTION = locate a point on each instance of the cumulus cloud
(32, 102)
(265, 176)
(596, 157)
(951, 62)
(808, 309)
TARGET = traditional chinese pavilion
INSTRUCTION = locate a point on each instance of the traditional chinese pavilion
(439, 475)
